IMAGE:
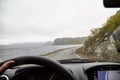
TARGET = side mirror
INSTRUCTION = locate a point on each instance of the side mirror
(112, 3)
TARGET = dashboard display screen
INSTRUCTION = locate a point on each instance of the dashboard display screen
(108, 75)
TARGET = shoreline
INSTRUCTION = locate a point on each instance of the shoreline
(53, 52)
(65, 53)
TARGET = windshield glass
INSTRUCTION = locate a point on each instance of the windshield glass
(59, 29)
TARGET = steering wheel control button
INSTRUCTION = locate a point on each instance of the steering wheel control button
(4, 77)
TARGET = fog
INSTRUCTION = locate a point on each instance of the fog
(45, 20)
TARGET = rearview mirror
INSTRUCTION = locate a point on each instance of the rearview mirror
(112, 3)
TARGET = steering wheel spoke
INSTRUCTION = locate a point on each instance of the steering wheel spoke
(42, 61)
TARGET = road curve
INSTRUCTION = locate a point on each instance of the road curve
(63, 54)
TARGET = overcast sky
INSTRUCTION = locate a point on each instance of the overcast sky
(45, 20)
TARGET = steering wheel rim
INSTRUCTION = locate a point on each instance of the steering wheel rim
(44, 62)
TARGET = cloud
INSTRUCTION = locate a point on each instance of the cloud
(42, 20)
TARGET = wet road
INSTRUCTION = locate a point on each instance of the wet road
(63, 54)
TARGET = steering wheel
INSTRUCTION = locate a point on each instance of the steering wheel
(42, 61)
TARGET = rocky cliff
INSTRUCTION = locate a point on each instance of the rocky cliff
(109, 49)
(105, 44)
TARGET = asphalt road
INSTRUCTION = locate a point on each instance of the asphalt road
(63, 54)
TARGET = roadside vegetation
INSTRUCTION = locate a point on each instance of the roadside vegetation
(99, 35)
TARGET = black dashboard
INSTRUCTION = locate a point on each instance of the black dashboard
(82, 71)
(96, 71)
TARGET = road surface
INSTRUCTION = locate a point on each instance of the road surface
(63, 54)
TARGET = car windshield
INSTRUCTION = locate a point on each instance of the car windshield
(59, 29)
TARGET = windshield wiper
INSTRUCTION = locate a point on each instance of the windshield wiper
(75, 60)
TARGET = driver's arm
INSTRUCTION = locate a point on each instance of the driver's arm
(6, 66)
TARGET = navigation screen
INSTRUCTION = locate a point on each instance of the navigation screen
(108, 75)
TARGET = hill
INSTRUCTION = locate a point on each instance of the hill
(69, 41)
(104, 43)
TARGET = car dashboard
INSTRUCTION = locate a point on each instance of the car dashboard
(95, 70)
(82, 71)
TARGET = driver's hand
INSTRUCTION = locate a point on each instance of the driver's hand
(5, 66)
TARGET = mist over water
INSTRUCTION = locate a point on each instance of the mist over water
(11, 52)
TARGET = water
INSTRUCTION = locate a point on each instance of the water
(11, 52)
